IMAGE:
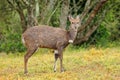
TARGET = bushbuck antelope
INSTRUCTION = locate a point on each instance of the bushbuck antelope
(44, 36)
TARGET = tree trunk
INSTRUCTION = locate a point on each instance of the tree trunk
(64, 13)
(32, 21)
(23, 20)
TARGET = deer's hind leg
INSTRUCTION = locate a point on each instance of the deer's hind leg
(56, 55)
(29, 53)
(60, 53)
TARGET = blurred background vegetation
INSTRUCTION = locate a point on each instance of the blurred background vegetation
(18, 15)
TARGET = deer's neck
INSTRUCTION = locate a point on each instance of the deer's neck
(72, 35)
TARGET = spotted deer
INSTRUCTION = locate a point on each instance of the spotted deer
(44, 36)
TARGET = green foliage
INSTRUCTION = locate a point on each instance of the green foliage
(11, 43)
(113, 25)
(100, 36)
(112, 19)
(10, 35)
(55, 18)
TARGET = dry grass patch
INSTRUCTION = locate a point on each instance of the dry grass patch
(89, 64)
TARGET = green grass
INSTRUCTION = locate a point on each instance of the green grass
(80, 64)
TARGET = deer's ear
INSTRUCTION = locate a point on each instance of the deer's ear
(70, 17)
(77, 17)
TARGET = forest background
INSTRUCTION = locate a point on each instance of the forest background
(100, 21)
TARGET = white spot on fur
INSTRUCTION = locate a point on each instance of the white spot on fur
(23, 40)
(56, 51)
(70, 41)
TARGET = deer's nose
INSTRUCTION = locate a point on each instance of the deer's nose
(76, 27)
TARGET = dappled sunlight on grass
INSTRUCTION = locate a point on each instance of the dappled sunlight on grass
(87, 64)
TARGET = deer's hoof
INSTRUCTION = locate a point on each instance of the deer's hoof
(63, 70)
(54, 70)
(25, 72)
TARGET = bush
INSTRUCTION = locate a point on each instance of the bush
(11, 43)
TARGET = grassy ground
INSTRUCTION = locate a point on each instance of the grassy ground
(80, 64)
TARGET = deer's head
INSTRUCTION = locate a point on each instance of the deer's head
(75, 22)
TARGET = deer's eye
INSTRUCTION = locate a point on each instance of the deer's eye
(72, 22)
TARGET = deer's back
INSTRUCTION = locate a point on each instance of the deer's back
(45, 36)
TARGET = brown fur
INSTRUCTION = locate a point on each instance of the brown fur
(42, 36)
